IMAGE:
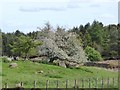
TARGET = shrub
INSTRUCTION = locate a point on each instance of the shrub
(92, 54)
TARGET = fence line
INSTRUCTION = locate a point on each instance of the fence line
(82, 83)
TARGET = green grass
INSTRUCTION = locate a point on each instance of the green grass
(26, 72)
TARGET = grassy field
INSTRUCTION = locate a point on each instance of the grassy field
(28, 72)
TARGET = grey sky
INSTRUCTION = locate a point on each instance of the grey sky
(27, 15)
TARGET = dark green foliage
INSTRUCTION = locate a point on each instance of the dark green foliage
(33, 34)
(92, 54)
(104, 39)
(18, 33)
(7, 39)
(24, 45)
(95, 32)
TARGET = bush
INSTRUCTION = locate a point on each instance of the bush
(92, 54)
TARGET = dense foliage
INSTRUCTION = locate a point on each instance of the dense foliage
(23, 46)
(102, 39)
(92, 54)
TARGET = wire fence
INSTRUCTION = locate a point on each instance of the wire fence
(77, 83)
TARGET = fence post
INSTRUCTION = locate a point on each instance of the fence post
(113, 81)
(118, 80)
(21, 83)
(66, 84)
(102, 82)
(89, 82)
(34, 84)
(6, 85)
(96, 81)
(75, 85)
(57, 84)
(82, 83)
(47, 84)
(108, 82)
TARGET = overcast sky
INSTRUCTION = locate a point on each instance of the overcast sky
(27, 15)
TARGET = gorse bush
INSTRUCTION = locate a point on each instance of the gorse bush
(92, 54)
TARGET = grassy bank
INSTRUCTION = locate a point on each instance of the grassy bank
(28, 71)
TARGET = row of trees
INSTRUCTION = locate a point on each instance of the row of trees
(19, 44)
(104, 39)
(95, 37)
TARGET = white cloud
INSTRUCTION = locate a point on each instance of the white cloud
(37, 9)
(43, 6)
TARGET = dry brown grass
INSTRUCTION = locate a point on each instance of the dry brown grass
(111, 63)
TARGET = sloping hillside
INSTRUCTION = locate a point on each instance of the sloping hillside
(28, 71)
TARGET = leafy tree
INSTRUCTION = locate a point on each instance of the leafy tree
(24, 45)
(18, 33)
(95, 32)
(33, 34)
(87, 40)
(92, 54)
(112, 39)
(86, 28)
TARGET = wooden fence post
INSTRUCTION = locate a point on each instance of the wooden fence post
(96, 81)
(57, 86)
(89, 82)
(34, 84)
(108, 82)
(82, 83)
(47, 84)
(113, 82)
(102, 82)
(118, 80)
(6, 85)
(66, 84)
(75, 84)
(21, 83)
